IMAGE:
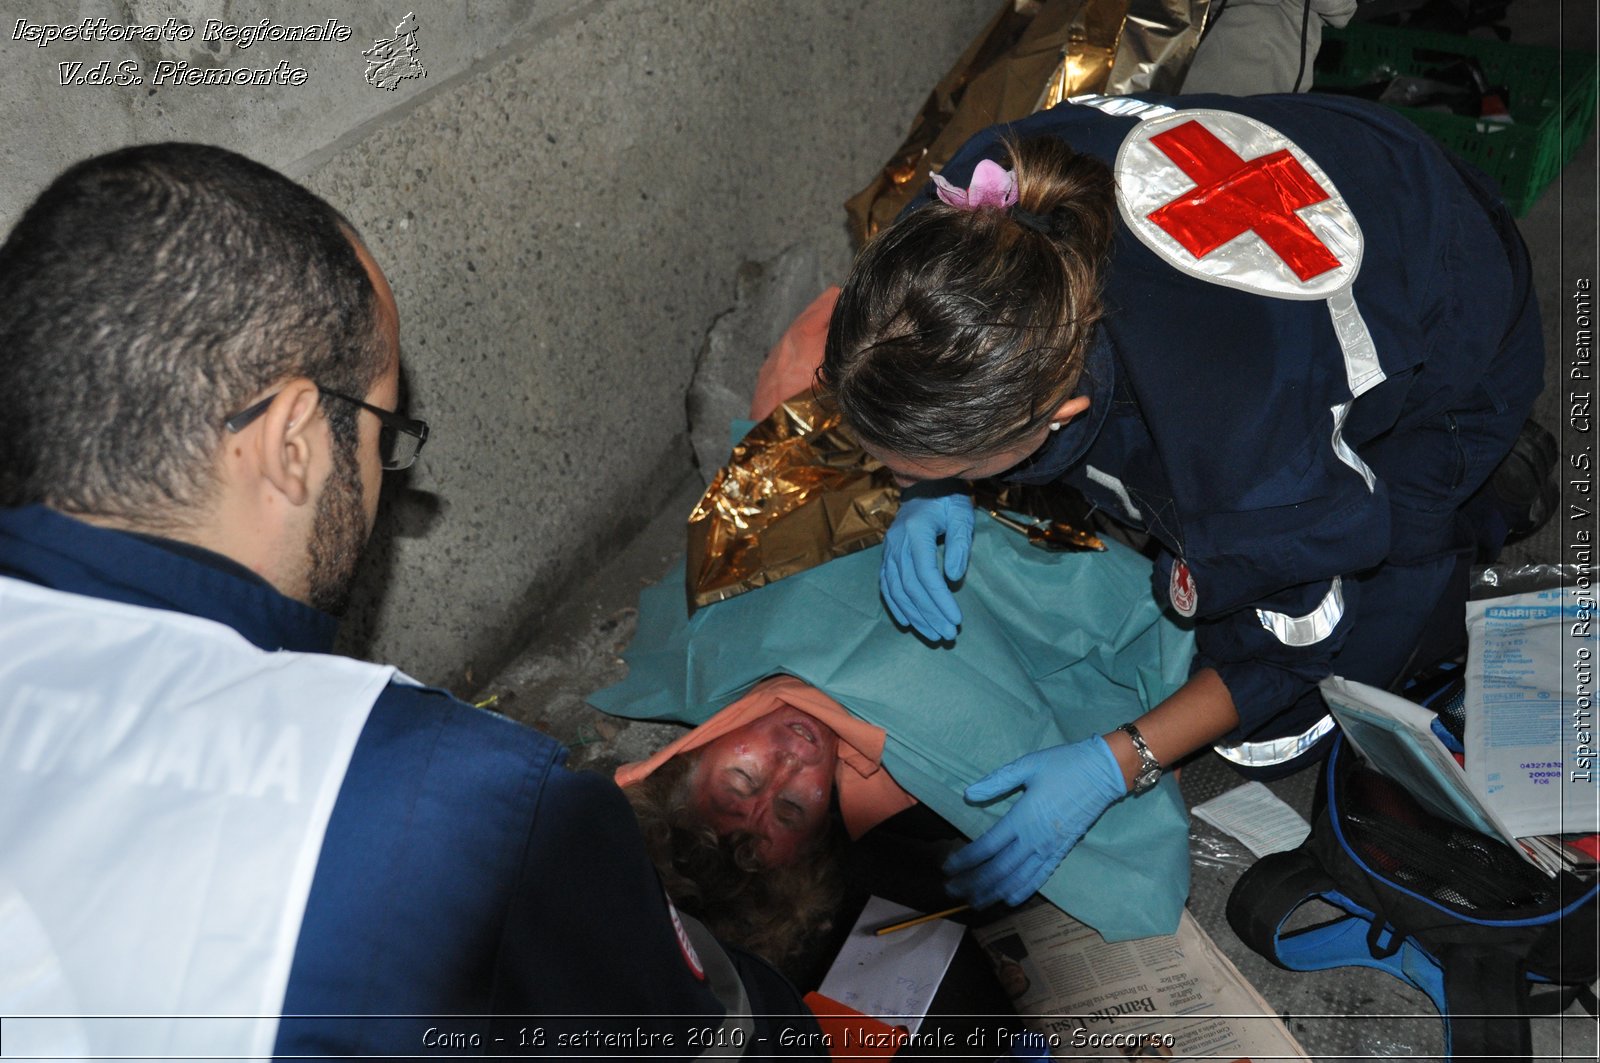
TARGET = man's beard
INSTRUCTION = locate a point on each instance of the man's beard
(338, 534)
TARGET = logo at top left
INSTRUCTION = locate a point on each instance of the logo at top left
(394, 59)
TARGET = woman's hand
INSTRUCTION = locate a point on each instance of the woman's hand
(913, 586)
(1067, 788)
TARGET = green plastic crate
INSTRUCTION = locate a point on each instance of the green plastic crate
(1552, 98)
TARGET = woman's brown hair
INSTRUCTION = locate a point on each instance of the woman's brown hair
(774, 912)
(959, 332)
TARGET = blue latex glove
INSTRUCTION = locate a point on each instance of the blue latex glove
(913, 586)
(1067, 789)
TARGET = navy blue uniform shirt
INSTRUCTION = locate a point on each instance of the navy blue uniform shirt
(1226, 424)
(464, 871)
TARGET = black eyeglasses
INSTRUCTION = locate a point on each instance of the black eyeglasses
(399, 440)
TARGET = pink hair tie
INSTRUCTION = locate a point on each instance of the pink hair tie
(992, 186)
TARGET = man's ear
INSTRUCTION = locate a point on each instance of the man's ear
(289, 435)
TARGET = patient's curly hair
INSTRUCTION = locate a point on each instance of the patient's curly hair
(775, 912)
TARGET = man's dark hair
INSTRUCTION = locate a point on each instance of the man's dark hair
(146, 296)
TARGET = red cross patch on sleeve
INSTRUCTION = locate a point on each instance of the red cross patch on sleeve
(1181, 589)
(1231, 200)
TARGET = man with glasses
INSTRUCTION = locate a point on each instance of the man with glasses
(217, 839)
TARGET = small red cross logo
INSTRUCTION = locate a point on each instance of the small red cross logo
(1232, 196)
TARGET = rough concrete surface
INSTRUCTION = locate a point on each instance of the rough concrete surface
(49, 125)
(768, 297)
(562, 204)
(562, 230)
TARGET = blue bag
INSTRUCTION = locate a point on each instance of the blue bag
(1455, 913)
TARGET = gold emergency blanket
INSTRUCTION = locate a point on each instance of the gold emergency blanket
(1032, 55)
(798, 490)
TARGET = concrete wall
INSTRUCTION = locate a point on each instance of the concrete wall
(563, 205)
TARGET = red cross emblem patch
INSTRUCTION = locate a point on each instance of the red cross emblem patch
(1181, 589)
(1231, 200)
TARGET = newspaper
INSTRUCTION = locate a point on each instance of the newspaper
(1171, 997)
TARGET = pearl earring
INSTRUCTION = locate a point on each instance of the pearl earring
(1055, 426)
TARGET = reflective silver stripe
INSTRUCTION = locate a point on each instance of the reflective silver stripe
(1311, 628)
(1115, 486)
(1361, 368)
(1361, 364)
(1122, 106)
(1274, 750)
(1342, 449)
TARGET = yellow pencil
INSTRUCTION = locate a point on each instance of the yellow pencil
(906, 923)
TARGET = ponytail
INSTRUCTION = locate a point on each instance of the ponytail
(1072, 195)
(959, 332)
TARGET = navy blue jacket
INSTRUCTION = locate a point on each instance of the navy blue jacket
(465, 871)
(1215, 419)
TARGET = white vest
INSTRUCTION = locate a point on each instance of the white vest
(164, 791)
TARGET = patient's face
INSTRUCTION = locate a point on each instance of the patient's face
(772, 777)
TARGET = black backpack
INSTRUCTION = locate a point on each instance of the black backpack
(1453, 912)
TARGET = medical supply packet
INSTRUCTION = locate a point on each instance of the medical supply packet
(1530, 751)
(1397, 740)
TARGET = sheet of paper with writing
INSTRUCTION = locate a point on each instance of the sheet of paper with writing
(1256, 816)
(893, 977)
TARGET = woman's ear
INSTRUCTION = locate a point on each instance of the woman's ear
(1068, 410)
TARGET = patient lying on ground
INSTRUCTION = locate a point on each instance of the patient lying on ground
(771, 779)
(744, 815)
(1054, 647)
